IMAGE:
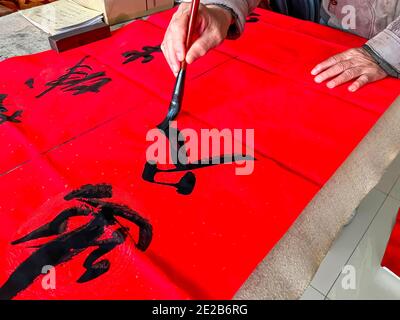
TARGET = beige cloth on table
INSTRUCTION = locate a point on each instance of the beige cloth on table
(288, 269)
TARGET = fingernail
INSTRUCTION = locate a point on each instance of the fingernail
(318, 79)
(175, 69)
(314, 72)
(352, 89)
(180, 56)
(330, 85)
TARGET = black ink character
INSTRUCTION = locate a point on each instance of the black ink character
(14, 117)
(78, 80)
(146, 54)
(30, 83)
(68, 244)
(252, 17)
(186, 184)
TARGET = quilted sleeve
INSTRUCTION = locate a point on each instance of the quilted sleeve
(239, 9)
(385, 48)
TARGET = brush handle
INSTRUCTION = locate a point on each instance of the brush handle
(177, 95)
(194, 9)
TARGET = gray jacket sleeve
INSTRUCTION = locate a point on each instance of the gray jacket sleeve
(385, 48)
(240, 9)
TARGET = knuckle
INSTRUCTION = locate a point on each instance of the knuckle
(351, 63)
(347, 54)
(219, 36)
(216, 39)
(348, 74)
(360, 82)
(365, 78)
(334, 82)
(202, 45)
(341, 66)
(353, 51)
(201, 50)
(335, 59)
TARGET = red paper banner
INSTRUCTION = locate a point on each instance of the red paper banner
(75, 193)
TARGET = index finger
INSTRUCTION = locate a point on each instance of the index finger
(328, 63)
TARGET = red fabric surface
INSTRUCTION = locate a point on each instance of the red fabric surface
(206, 244)
(391, 259)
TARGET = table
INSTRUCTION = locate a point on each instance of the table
(290, 266)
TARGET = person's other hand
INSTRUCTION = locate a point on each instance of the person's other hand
(352, 64)
(213, 23)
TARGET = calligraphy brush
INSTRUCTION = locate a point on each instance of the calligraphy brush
(177, 95)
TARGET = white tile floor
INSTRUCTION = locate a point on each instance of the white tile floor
(360, 247)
